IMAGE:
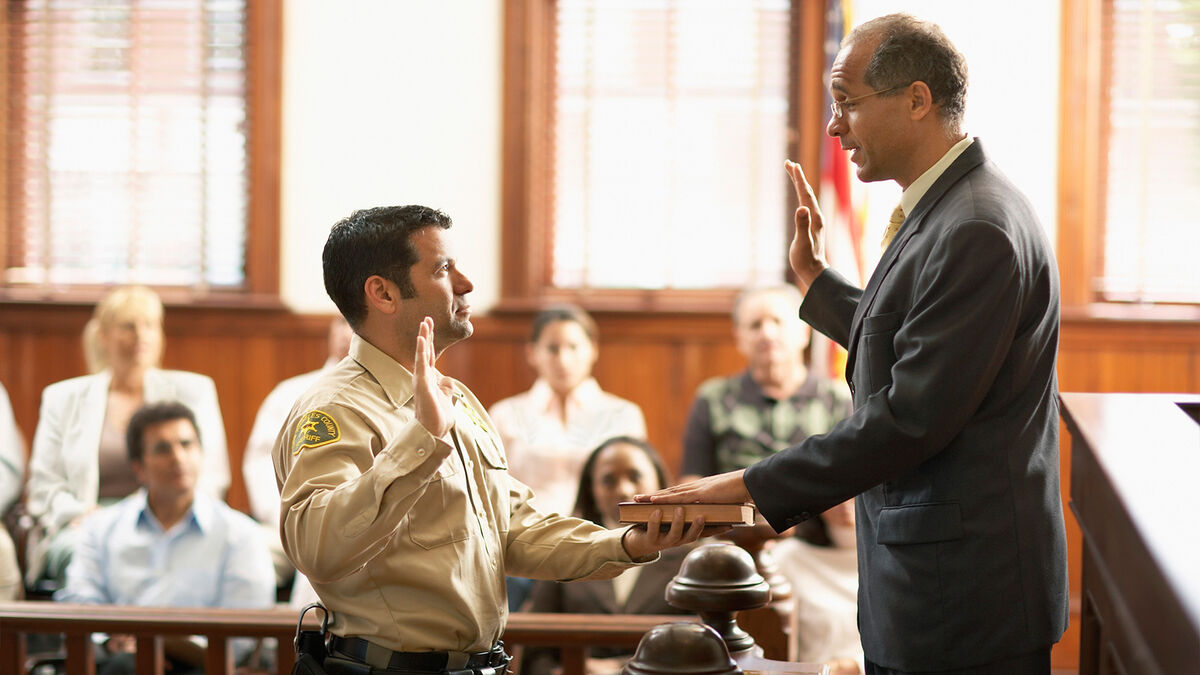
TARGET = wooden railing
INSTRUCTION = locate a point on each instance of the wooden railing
(77, 623)
(573, 633)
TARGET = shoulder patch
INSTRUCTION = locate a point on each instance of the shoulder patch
(314, 429)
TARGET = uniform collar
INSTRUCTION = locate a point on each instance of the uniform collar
(395, 379)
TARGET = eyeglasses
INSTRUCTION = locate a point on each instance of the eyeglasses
(838, 107)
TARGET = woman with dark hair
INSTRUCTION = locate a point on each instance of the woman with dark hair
(549, 429)
(620, 468)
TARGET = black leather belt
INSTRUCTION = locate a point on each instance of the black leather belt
(430, 662)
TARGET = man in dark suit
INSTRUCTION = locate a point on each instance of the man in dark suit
(952, 448)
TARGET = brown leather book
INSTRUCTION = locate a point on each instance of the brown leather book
(714, 514)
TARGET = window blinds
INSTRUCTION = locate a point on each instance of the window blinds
(127, 142)
(669, 139)
(1151, 243)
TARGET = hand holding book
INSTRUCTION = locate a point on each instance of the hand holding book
(658, 533)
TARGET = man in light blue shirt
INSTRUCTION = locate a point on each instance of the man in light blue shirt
(167, 545)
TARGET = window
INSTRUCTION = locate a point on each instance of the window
(1152, 207)
(138, 137)
(1130, 152)
(644, 145)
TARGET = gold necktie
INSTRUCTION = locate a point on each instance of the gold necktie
(894, 224)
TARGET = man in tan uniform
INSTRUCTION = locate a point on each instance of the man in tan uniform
(396, 499)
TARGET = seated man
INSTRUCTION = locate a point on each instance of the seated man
(168, 545)
(775, 403)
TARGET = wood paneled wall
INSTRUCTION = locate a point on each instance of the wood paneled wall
(656, 360)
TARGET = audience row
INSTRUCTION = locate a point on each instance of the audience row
(163, 471)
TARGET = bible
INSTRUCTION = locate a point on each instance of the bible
(714, 514)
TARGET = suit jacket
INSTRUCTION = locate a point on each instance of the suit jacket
(648, 596)
(952, 448)
(64, 467)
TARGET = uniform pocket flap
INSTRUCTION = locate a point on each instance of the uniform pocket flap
(919, 523)
(490, 450)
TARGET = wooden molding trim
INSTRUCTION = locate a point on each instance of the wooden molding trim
(1079, 150)
(265, 84)
(527, 195)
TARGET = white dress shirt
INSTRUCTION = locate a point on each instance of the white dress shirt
(546, 453)
(64, 467)
(213, 557)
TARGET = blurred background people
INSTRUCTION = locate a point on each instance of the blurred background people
(12, 475)
(167, 545)
(258, 469)
(615, 471)
(79, 459)
(776, 402)
(822, 568)
(549, 430)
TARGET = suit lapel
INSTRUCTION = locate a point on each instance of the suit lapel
(972, 157)
(648, 593)
(642, 592)
(601, 594)
(95, 406)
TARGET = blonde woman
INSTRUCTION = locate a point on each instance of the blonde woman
(79, 460)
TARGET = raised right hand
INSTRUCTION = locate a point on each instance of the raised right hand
(433, 394)
(807, 252)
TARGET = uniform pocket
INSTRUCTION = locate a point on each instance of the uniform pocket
(493, 456)
(442, 515)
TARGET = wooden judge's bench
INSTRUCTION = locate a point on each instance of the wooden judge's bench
(1135, 473)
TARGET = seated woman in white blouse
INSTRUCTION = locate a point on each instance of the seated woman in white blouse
(79, 460)
(549, 430)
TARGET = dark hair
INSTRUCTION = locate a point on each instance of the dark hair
(376, 241)
(585, 499)
(912, 50)
(154, 413)
(564, 313)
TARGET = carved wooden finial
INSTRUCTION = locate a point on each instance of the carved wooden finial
(691, 648)
(716, 581)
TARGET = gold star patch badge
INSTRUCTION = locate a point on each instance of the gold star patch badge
(314, 430)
